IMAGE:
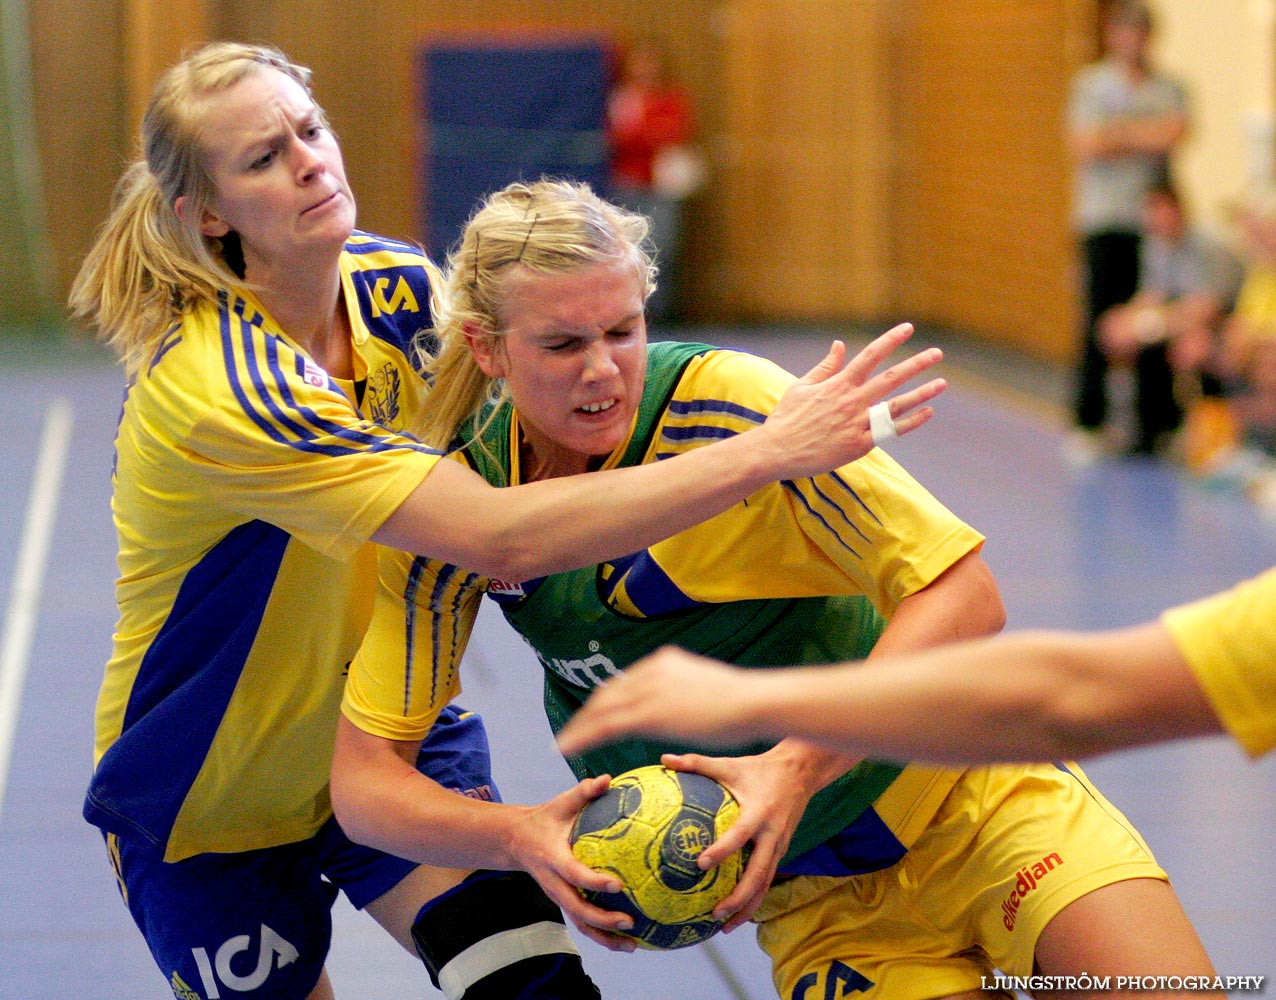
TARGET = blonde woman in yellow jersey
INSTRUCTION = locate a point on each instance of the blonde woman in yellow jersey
(261, 449)
(867, 877)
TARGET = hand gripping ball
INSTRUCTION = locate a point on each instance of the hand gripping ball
(648, 829)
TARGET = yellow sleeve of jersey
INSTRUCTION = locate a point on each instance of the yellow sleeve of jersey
(258, 426)
(1227, 640)
(407, 668)
(866, 528)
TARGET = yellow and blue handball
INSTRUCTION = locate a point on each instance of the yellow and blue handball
(648, 830)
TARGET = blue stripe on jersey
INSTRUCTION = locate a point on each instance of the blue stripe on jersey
(839, 509)
(171, 339)
(374, 243)
(454, 614)
(444, 579)
(696, 433)
(184, 685)
(850, 491)
(409, 625)
(682, 408)
(234, 327)
(793, 488)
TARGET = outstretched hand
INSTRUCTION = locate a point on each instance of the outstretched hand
(671, 694)
(822, 420)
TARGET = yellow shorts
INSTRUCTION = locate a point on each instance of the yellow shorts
(1008, 849)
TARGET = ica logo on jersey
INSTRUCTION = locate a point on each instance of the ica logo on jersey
(838, 980)
(400, 297)
(215, 972)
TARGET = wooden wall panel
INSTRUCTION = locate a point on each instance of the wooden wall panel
(871, 158)
(156, 33)
(790, 109)
(83, 137)
(364, 69)
(805, 161)
(983, 187)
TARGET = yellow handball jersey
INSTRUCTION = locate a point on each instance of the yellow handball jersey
(247, 484)
(866, 529)
(1228, 640)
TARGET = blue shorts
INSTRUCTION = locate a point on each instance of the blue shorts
(257, 925)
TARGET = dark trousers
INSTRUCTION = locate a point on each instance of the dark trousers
(1110, 273)
(1156, 411)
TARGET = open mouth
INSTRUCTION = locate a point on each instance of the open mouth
(600, 407)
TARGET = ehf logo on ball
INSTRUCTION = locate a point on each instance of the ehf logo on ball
(690, 837)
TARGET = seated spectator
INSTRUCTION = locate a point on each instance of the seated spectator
(1249, 465)
(1255, 312)
(1168, 332)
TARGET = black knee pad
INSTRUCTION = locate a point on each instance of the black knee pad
(497, 936)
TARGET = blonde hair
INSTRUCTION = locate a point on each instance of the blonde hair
(548, 227)
(148, 265)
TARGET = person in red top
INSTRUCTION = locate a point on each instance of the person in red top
(650, 125)
(645, 113)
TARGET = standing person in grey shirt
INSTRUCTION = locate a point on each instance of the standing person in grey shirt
(1125, 119)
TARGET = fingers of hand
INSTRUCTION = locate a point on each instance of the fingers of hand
(910, 423)
(690, 762)
(735, 839)
(743, 915)
(745, 898)
(612, 942)
(585, 913)
(862, 365)
(746, 911)
(907, 409)
(603, 719)
(905, 371)
(584, 877)
(829, 365)
(591, 788)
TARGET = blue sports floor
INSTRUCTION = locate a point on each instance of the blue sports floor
(1106, 546)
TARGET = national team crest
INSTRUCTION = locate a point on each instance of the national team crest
(382, 395)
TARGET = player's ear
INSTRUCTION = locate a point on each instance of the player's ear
(210, 223)
(488, 350)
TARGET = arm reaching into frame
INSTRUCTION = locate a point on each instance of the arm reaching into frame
(1022, 696)
(821, 422)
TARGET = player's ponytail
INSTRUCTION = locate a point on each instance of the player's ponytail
(138, 276)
